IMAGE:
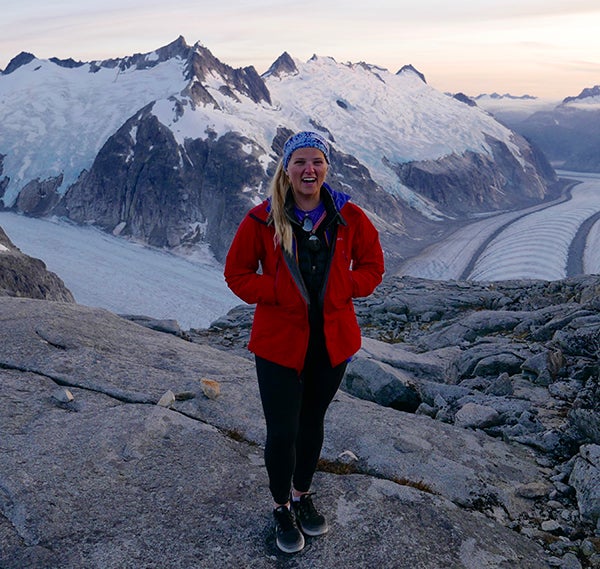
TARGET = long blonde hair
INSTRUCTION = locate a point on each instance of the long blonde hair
(280, 185)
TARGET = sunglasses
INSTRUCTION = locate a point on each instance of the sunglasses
(314, 243)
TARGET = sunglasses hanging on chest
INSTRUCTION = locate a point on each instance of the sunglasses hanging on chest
(314, 243)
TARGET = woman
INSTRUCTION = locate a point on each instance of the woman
(301, 256)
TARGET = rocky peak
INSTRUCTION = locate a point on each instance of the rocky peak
(411, 69)
(246, 81)
(587, 93)
(465, 99)
(22, 59)
(69, 63)
(283, 65)
(177, 48)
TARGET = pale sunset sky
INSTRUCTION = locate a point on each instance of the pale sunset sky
(546, 48)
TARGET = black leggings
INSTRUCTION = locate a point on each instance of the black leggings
(294, 407)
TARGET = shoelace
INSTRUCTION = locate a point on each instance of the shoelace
(307, 507)
(285, 519)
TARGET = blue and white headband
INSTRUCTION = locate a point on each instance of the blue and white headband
(305, 139)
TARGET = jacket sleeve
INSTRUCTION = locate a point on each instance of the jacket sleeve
(243, 262)
(367, 258)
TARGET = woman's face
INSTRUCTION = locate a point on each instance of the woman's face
(306, 170)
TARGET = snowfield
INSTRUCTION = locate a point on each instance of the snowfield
(61, 128)
(129, 278)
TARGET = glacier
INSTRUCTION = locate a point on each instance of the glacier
(526, 244)
(123, 276)
(126, 277)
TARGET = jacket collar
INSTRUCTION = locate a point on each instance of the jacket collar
(333, 201)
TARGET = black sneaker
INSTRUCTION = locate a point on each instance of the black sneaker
(287, 535)
(311, 522)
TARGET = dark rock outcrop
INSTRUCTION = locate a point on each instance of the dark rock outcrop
(39, 197)
(465, 99)
(177, 48)
(124, 192)
(69, 63)
(21, 275)
(22, 59)
(411, 69)
(283, 65)
(474, 182)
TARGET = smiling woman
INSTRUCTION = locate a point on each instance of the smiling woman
(307, 170)
(301, 256)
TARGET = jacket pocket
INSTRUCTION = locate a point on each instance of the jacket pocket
(340, 284)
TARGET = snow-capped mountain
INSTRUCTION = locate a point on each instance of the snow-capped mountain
(567, 131)
(172, 147)
(589, 98)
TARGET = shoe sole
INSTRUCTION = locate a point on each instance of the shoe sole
(285, 549)
(312, 533)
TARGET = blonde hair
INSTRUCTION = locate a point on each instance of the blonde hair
(280, 185)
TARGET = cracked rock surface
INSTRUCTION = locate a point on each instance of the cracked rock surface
(106, 477)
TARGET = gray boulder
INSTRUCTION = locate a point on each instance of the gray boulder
(476, 416)
(585, 478)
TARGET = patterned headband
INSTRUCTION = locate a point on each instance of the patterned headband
(304, 139)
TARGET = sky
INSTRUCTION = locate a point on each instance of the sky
(545, 48)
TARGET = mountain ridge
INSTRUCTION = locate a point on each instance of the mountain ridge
(400, 145)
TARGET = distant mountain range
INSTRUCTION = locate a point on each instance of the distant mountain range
(172, 147)
(567, 131)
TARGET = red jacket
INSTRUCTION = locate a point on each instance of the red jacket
(280, 330)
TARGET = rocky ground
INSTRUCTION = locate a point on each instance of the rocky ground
(511, 361)
(466, 436)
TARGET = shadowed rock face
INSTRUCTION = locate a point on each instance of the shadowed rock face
(474, 182)
(126, 187)
(21, 275)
